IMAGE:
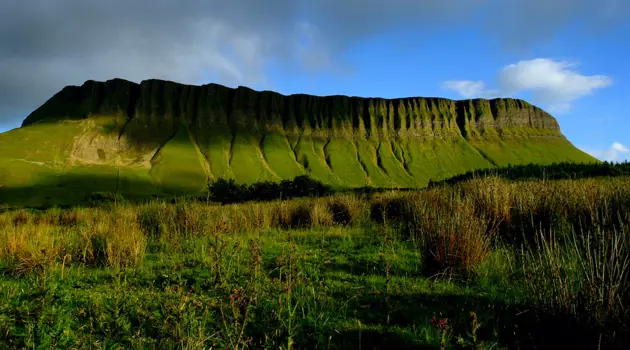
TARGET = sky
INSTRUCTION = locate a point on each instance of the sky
(565, 56)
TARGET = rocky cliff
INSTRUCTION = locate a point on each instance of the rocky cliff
(164, 105)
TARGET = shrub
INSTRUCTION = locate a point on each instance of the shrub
(20, 217)
(228, 191)
(450, 233)
(321, 214)
(393, 209)
(455, 239)
(586, 277)
(340, 213)
(265, 191)
(150, 223)
(304, 186)
(103, 198)
(301, 217)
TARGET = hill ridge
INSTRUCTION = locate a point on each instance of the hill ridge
(416, 116)
(161, 137)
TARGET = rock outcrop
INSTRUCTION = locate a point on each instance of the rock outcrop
(156, 108)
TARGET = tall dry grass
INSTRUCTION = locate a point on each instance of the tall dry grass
(455, 226)
(587, 278)
(118, 235)
(92, 236)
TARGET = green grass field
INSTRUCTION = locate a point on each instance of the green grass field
(484, 264)
(178, 167)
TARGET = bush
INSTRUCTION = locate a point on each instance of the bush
(304, 186)
(394, 209)
(149, 220)
(102, 198)
(587, 278)
(556, 171)
(451, 235)
(264, 191)
(228, 191)
(301, 217)
(459, 242)
(340, 213)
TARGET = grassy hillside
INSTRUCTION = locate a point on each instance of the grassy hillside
(178, 167)
(160, 138)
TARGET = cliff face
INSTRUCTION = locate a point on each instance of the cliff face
(156, 107)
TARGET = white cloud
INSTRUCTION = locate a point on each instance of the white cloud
(554, 84)
(468, 88)
(560, 107)
(617, 152)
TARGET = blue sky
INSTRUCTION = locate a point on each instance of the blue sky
(568, 57)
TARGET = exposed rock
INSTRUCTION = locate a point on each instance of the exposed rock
(154, 109)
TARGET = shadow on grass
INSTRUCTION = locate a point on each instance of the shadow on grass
(362, 267)
(69, 190)
(373, 339)
(512, 326)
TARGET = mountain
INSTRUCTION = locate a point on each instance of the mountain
(160, 137)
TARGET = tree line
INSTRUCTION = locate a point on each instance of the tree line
(555, 171)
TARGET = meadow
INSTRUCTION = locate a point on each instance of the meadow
(485, 263)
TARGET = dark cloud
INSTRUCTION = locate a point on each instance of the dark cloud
(45, 45)
(519, 23)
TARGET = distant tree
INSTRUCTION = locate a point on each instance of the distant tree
(550, 171)
(265, 191)
(102, 198)
(1, 197)
(228, 191)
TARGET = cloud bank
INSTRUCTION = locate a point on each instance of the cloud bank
(617, 152)
(45, 45)
(554, 84)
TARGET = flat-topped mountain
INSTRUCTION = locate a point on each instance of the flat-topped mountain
(161, 137)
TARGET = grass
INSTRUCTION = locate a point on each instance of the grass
(522, 150)
(189, 175)
(482, 264)
(311, 154)
(247, 161)
(280, 157)
(343, 158)
(367, 156)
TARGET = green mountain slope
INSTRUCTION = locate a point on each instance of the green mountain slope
(160, 137)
